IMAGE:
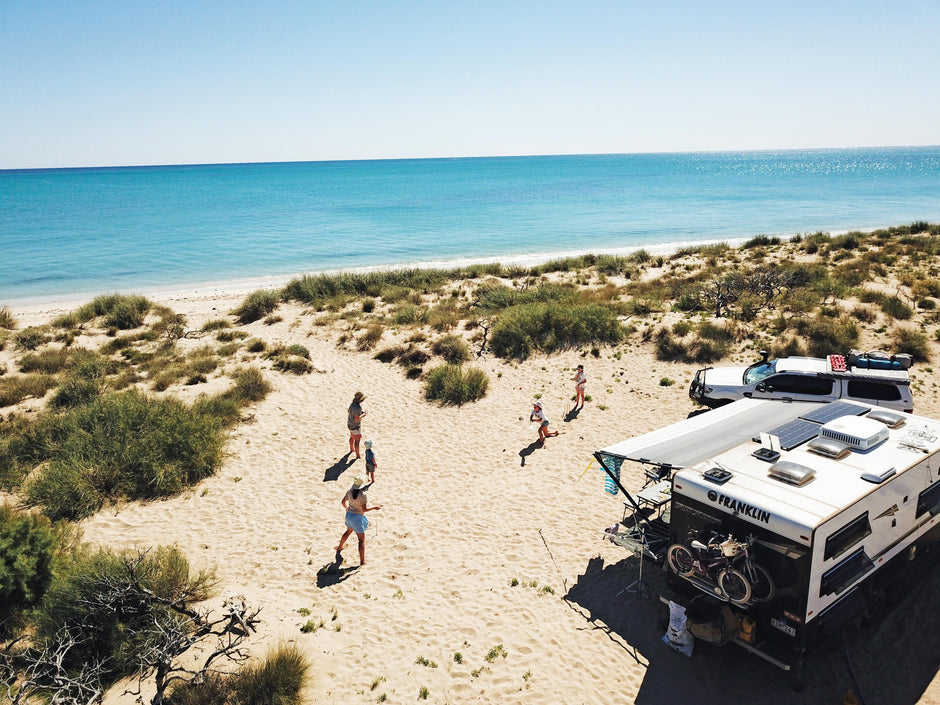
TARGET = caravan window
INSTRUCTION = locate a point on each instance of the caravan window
(846, 537)
(929, 500)
(837, 579)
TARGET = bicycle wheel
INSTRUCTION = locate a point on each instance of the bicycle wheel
(762, 585)
(680, 560)
(734, 585)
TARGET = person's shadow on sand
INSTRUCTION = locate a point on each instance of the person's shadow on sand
(338, 468)
(572, 414)
(529, 450)
(333, 573)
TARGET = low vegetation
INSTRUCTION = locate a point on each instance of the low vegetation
(452, 384)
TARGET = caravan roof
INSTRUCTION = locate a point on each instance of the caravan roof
(727, 438)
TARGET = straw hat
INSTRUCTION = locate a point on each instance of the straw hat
(358, 397)
(357, 483)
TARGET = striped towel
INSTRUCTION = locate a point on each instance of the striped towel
(610, 487)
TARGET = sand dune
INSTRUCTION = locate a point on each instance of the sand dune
(487, 578)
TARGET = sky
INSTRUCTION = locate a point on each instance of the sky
(128, 82)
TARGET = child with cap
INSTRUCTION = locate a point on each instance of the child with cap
(539, 415)
(370, 461)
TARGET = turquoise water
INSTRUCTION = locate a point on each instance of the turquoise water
(89, 231)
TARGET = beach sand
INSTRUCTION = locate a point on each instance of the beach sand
(488, 580)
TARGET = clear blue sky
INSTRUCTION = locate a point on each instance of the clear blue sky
(87, 82)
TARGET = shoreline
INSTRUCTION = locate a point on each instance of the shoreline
(228, 288)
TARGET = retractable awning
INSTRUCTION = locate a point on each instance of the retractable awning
(706, 435)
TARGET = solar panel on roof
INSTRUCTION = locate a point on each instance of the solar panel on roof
(834, 410)
(793, 433)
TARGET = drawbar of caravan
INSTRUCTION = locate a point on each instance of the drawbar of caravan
(839, 502)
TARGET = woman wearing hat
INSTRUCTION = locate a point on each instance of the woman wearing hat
(354, 416)
(356, 507)
(539, 415)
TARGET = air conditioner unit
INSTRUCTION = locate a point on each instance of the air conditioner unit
(856, 432)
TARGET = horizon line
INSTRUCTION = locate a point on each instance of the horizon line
(462, 158)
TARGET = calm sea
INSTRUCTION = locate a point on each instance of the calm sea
(69, 232)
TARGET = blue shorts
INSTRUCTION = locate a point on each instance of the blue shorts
(544, 424)
(357, 522)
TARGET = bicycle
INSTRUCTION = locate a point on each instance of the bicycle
(718, 564)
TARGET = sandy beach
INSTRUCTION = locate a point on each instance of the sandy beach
(487, 579)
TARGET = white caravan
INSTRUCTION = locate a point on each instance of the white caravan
(838, 502)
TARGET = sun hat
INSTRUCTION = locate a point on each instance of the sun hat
(357, 483)
(538, 404)
(368, 444)
(359, 396)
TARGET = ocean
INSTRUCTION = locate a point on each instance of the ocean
(67, 233)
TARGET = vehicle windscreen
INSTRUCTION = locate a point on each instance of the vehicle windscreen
(756, 372)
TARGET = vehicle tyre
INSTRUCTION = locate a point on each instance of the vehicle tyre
(734, 585)
(680, 559)
(762, 587)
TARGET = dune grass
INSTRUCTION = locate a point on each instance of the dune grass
(256, 306)
(120, 445)
(16, 388)
(7, 319)
(549, 327)
(277, 679)
(451, 384)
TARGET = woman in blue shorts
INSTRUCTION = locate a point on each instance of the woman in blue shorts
(356, 507)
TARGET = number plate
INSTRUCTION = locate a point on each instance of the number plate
(782, 626)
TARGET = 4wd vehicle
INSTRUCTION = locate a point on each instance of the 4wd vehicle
(810, 379)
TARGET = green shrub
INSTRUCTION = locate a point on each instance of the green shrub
(277, 680)
(895, 308)
(122, 445)
(550, 327)
(370, 338)
(99, 600)
(7, 320)
(450, 384)
(48, 362)
(694, 348)
(298, 350)
(27, 546)
(250, 385)
(216, 325)
(827, 336)
(409, 314)
(30, 338)
(788, 347)
(119, 309)
(913, 341)
(452, 348)
(215, 689)
(257, 305)
(760, 241)
(227, 336)
(127, 313)
(75, 391)
(255, 345)
(16, 388)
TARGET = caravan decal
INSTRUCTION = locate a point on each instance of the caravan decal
(739, 507)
